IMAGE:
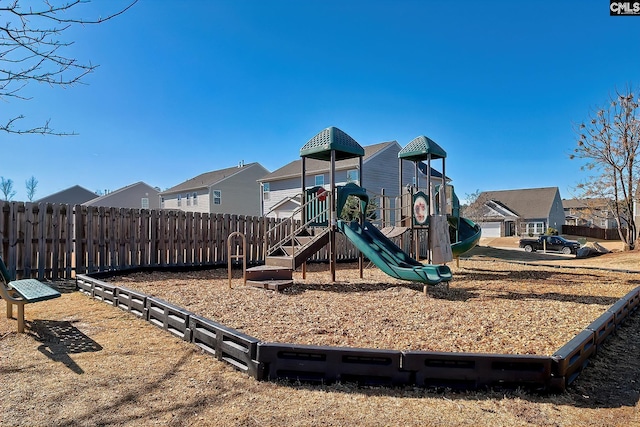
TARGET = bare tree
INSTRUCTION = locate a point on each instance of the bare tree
(610, 142)
(31, 50)
(475, 208)
(32, 185)
(6, 187)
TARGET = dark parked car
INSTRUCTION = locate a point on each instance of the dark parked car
(550, 243)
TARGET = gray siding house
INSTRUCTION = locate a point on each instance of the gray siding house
(525, 212)
(380, 171)
(589, 213)
(233, 190)
(138, 196)
(73, 196)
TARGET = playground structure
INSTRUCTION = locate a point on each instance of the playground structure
(367, 366)
(315, 223)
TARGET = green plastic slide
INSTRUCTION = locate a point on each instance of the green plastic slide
(390, 258)
(468, 235)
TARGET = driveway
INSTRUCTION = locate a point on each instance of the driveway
(515, 254)
(506, 248)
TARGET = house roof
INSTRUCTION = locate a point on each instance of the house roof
(434, 173)
(500, 209)
(295, 200)
(140, 185)
(208, 179)
(529, 203)
(73, 195)
(585, 203)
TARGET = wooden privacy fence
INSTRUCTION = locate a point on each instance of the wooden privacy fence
(52, 241)
(593, 232)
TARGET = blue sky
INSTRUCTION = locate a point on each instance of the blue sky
(186, 87)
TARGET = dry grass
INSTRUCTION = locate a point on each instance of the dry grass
(86, 363)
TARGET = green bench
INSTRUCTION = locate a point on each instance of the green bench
(21, 292)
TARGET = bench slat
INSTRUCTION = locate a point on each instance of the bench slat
(33, 290)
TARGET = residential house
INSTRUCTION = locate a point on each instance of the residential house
(380, 172)
(74, 195)
(138, 196)
(233, 190)
(524, 212)
(589, 213)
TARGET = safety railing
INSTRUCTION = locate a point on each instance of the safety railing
(289, 227)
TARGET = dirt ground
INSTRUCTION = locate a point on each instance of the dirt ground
(84, 362)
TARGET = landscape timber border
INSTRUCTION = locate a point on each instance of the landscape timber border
(369, 367)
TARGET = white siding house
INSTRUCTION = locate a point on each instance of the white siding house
(233, 190)
(380, 172)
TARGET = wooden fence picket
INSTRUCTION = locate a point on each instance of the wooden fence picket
(53, 241)
(55, 252)
(42, 240)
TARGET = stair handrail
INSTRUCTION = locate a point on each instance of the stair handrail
(280, 203)
(291, 220)
(237, 255)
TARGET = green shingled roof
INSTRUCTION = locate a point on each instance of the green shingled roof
(320, 146)
(420, 148)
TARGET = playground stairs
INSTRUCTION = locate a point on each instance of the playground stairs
(270, 277)
(282, 260)
(295, 250)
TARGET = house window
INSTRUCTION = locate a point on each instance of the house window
(265, 191)
(195, 199)
(534, 228)
(188, 199)
(162, 202)
(353, 176)
(319, 180)
(217, 197)
(144, 202)
(179, 199)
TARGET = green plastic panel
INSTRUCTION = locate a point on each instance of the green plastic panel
(351, 189)
(420, 148)
(331, 139)
(317, 212)
(468, 235)
(4, 272)
(33, 290)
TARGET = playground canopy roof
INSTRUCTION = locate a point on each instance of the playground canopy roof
(331, 139)
(420, 148)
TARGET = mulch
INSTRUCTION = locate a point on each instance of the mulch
(84, 362)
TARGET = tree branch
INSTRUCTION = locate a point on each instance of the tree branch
(31, 52)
